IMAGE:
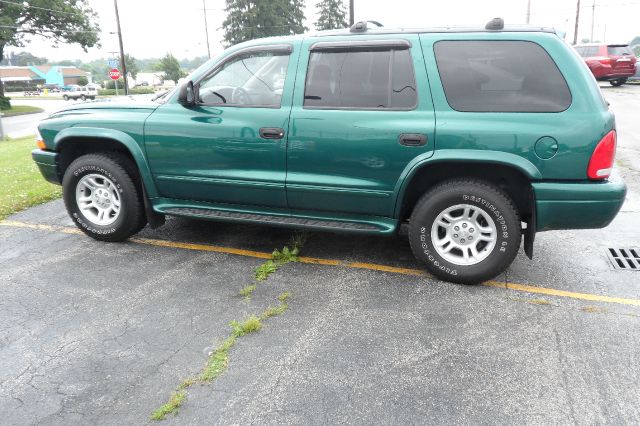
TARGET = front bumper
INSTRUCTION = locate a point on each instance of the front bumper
(48, 164)
(585, 205)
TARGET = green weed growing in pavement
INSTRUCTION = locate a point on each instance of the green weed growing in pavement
(219, 359)
(176, 400)
(282, 257)
(247, 290)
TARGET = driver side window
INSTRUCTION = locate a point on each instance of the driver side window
(252, 79)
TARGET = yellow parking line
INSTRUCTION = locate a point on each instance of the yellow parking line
(333, 262)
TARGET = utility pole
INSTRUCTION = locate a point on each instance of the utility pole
(575, 34)
(528, 11)
(593, 18)
(351, 21)
(206, 28)
(122, 63)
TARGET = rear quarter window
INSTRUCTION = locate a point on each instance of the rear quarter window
(500, 76)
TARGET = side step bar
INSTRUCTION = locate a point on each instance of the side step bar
(279, 220)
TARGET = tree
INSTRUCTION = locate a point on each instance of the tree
(83, 81)
(331, 15)
(62, 21)
(249, 19)
(132, 65)
(22, 59)
(635, 41)
(171, 68)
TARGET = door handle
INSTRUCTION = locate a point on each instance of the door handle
(412, 139)
(271, 133)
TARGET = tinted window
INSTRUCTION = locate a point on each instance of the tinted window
(619, 50)
(255, 79)
(500, 76)
(364, 79)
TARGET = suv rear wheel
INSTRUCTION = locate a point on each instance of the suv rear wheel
(102, 198)
(618, 82)
(465, 231)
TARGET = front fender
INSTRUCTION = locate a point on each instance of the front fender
(122, 138)
(460, 156)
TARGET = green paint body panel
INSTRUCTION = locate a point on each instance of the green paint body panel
(348, 165)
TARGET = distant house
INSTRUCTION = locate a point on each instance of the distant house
(31, 76)
(149, 78)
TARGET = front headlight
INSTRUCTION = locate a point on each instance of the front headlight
(39, 141)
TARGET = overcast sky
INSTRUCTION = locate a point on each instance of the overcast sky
(151, 28)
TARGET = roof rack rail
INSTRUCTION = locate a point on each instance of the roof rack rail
(495, 24)
(361, 26)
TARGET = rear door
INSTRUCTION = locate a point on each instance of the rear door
(362, 111)
(622, 59)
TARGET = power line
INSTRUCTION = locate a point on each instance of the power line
(37, 7)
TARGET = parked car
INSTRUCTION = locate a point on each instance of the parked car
(474, 138)
(636, 76)
(79, 92)
(68, 87)
(614, 63)
(36, 91)
(53, 88)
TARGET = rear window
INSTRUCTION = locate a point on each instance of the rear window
(500, 76)
(619, 50)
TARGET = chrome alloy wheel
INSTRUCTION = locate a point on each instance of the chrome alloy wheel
(464, 234)
(98, 199)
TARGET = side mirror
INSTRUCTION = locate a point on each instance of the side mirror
(187, 95)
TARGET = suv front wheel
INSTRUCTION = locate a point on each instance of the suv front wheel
(102, 198)
(465, 231)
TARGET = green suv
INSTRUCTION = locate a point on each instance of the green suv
(475, 138)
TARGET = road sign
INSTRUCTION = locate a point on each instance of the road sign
(114, 74)
(113, 62)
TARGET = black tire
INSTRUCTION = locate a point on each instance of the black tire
(65, 97)
(83, 97)
(478, 195)
(119, 170)
(618, 82)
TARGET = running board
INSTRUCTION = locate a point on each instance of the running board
(294, 221)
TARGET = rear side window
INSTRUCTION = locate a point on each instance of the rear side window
(360, 79)
(500, 76)
(619, 50)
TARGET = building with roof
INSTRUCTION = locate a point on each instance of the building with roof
(31, 76)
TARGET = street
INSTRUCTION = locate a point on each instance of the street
(100, 333)
(25, 125)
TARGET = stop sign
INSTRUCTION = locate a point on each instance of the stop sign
(114, 74)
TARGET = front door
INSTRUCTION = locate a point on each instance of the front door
(230, 147)
(360, 116)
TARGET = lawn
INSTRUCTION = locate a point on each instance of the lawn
(21, 184)
(19, 110)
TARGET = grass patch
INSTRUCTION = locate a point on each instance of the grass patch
(218, 360)
(278, 258)
(20, 110)
(176, 400)
(21, 184)
(247, 290)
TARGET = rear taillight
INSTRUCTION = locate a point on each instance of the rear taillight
(601, 160)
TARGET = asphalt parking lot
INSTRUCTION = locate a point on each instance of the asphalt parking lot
(98, 333)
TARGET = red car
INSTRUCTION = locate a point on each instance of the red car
(614, 63)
